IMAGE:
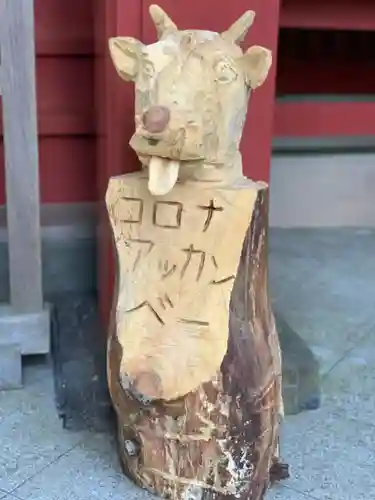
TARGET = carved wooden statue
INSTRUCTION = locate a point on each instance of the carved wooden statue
(193, 357)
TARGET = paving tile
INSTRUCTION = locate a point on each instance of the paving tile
(295, 427)
(350, 386)
(37, 391)
(37, 383)
(90, 471)
(7, 496)
(331, 459)
(327, 329)
(35, 368)
(315, 280)
(31, 434)
(327, 358)
(282, 493)
(322, 286)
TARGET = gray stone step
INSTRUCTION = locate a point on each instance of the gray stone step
(68, 248)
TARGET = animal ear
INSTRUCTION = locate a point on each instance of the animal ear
(256, 63)
(126, 54)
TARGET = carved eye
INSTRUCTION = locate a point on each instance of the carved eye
(225, 73)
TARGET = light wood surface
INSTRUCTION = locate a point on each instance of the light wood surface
(192, 89)
(21, 154)
(178, 257)
(194, 364)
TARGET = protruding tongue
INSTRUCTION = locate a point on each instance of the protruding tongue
(162, 175)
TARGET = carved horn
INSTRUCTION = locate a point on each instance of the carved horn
(162, 21)
(237, 32)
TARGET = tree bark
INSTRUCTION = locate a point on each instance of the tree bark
(220, 439)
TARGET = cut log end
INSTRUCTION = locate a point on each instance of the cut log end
(209, 427)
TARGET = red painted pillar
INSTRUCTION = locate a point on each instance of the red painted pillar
(115, 124)
(115, 98)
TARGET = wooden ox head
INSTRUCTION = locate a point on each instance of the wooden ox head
(192, 90)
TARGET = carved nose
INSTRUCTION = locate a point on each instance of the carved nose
(156, 119)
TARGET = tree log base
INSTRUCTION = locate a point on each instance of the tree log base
(219, 440)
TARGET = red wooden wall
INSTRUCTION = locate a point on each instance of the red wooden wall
(115, 98)
(325, 48)
(326, 57)
(85, 112)
(65, 91)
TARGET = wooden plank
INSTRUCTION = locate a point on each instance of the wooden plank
(326, 80)
(63, 108)
(257, 136)
(67, 169)
(304, 118)
(322, 61)
(297, 76)
(2, 5)
(328, 14)
(64, 27)
(2, 176)
(21, 156)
